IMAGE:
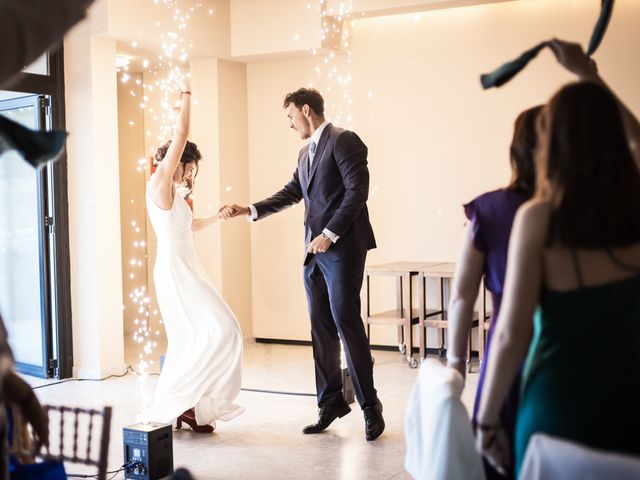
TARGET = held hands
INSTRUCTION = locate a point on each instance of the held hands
(320, 244)
(572, 57)
(493, 444)
(229, 211)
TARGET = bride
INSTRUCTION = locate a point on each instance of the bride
(201, 376)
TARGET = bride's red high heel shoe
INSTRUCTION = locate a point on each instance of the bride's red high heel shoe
(189, 418)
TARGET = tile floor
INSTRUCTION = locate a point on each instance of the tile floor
(265, 442)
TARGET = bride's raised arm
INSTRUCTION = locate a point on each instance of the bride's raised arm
(161, 182)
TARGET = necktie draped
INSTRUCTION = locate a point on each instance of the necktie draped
(506, 72)
(35, 147)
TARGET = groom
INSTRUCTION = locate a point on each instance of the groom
(333, 179)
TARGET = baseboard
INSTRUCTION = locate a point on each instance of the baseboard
(99, 373)
(388, 348)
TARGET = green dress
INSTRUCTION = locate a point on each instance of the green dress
(582, 377)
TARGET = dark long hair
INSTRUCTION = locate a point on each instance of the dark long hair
(587, 170)
(523, 147)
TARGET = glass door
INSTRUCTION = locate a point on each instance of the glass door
(24, 244)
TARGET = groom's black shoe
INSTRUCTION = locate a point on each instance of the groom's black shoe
(373, 421)
(326, 415)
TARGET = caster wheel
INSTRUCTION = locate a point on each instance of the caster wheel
(403, 348)
(468, 367)
(373, 359)
(413, 363)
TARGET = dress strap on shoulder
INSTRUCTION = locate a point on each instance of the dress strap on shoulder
(620, 264)
(576, 266)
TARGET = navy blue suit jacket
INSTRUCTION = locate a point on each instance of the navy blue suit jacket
(335, 193)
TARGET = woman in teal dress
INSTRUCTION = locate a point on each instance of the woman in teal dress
(574, 259)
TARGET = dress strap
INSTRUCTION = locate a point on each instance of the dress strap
(620, 264)
(576, 266)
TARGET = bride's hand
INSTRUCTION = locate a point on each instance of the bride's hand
(230, 211)
(225, 213)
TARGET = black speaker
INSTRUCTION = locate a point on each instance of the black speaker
(347, 386)
(150, 447)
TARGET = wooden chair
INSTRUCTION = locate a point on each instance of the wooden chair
(76, 435)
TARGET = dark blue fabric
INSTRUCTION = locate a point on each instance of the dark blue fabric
(333, 294)
(507, 71)
(601, 26)
(37, 471)
(46, 470)
(335, 190)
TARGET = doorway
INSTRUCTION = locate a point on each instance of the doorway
(34, 261)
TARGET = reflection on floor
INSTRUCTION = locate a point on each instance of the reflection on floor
(265, 441)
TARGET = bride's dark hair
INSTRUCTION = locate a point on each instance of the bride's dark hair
(189, 155)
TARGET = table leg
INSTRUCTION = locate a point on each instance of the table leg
(442, 309)
(408, 329)
(401, 308)
(422, 316)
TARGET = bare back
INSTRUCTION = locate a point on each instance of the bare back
(593, 268)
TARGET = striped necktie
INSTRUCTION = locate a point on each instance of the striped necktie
(312, 152)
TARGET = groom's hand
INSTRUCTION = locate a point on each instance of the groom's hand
(230, 211)
(320, 244)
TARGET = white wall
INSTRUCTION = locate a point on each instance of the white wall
(435, 138)
(234, 187)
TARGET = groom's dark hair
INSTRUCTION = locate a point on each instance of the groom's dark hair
(306, 96)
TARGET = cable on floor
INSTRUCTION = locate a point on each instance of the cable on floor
(277, 392)
(123, 468)
(130, 368)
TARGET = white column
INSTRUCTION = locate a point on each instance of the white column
(205, 133)
(94, 204)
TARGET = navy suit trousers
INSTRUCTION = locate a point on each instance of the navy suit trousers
(333, 294)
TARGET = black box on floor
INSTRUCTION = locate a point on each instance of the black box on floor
(151, 446)
(347, 386)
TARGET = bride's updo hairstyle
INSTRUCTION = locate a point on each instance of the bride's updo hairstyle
(189, 155)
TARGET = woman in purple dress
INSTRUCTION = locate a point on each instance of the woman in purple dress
(484, 253)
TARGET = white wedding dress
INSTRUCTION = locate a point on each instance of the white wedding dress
(202, 367)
